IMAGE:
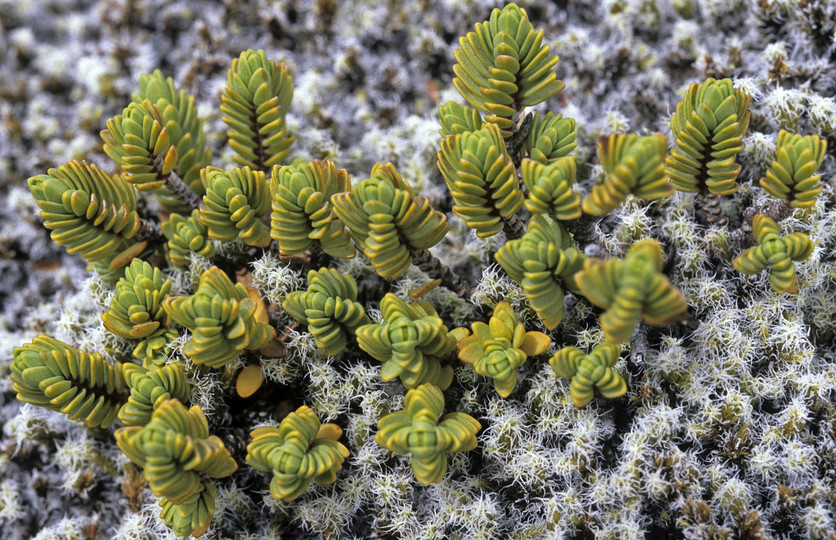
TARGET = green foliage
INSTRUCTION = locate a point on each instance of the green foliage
(150, 387)
(138, 142)
(633, 165)
(482, 179)
(82, 385)
(410, 343)
(456, 118)
(388, 221)
(299, 450)
(329, 307)
(255, 102)
(497, 349)
(590, 371)
(187, 235)
(792, 176)
(89, 212)
(302, 209)
(630, 289)
(550, 188)
(708, 127)
(176, 452)
(775, 252)
(550, 138)
(181, 122)
(544, 263)
(234, 203)
(503, 67)
(223, 319)
(417, 431)
(194, 515)
(136, 310)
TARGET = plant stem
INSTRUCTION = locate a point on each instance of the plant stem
(708, 210)
(583, 230)
(179, 189)
(151, 231)
(427, 262)
(513, 227)
(777, 211)
(182, 192)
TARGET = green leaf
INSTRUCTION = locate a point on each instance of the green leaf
(708, 127)
(82, 385)
(177, 453)
(550, 138)
(149, 388)
(543, 262)
(503, 66)
(183, 125)
(185, 236)
(456, 118)
(630, 289)
(776, 252)
(254, 105)
(633, 165)
(387, 220)
(222, 319)
(791, 176)
(329, 308)
(138, 142)
(302, 208)
(498, 349)
(298, 451)
(410, 343)
(551, 188)
(482, 179)
(234, 204)
(136, 310)
(98, 232)
(589, 372)
(417, 431)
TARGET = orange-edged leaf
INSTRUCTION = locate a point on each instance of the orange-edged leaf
(249, 380)
(535, 343)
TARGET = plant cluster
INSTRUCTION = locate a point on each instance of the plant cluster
(510, 173)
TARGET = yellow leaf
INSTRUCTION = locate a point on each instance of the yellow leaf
(535, 343)
(260, 308)
(459, 333)
(471, 350)
(329, 431)
(124, 257)
(249, 380)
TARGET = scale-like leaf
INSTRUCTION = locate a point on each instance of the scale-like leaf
(298, 451)
(792, 175)
(82, 385)
(254, 105)
(417, 432)
(776, 252)
(708, 127)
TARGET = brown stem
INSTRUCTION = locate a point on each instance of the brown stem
(430, 265)
(638, 344)
(151, 231)
(318, 257)
(513, 227)
(178, 188)
(708, 210)
(583, 230)
(182, 192)
(518, 136)
(777, 211)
